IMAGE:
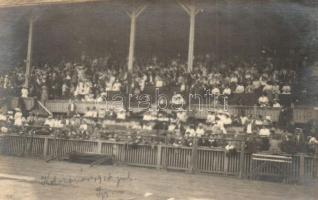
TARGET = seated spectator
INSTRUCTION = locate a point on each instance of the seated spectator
(215, 91)
(116, 86)
(312, 140)
(172, 127)
(250, 126)
(276, 89)
(199, 131)
(49, 121)
(263, 101)
(94, 113)
(276, 104)
(88, 113)
(234, 79)
(121, 115)
(230, 148)
(249, 89)
(227, 91)
(264, 131)
(24, 92)
(256, 84)
(268, 87)
(286, 89)
(158, 82)
(3, 117)
(243, 120)
(182, 116)
(18, 119)
(211, 118)
(177, 100)
(190, 132)
(239, 89)
(83, 126)
(259, 121)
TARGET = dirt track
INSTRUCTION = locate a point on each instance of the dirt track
(22, 178)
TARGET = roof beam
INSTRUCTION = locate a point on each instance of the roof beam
(21, 3)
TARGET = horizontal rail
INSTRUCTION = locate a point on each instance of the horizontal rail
(193, 159)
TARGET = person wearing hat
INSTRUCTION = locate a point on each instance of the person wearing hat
(3, 117)
(49, 121)
(286, 89)
(263, 100)
(182, 116)
(276, 104)
(215, 91)
(211, 118)
(227, 90)
(177, 101)
(10, 115)
(71, 108)
(18, 118)
(121, 115)
(264, 131)
(200, 130)
(88, 113)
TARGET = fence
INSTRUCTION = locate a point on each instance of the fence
(192, 159)
(303, 114)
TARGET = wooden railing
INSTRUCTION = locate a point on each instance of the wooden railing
(301, 114)
(61, 106)
(195, 159)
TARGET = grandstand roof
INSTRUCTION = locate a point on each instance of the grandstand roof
(15, 3)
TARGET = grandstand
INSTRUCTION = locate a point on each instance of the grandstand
(228, 106)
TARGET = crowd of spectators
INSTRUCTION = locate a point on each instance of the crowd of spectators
(176, 128)
(95, 79)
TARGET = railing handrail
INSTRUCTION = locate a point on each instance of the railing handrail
(193, 159)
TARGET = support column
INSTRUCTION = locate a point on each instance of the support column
(29, 53)
(191, 41)
(132, 43)
(137, 9)
(192, 11)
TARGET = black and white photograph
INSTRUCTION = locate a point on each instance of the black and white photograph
(158, 99)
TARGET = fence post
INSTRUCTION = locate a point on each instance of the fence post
(226, 162)
(116, 154)
(316, 161)
(242, 159)
(302, 168)
(194, 157)
(159, 149)
(45, 147)
(99, 147)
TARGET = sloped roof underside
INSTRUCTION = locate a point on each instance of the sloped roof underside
(15, 3)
